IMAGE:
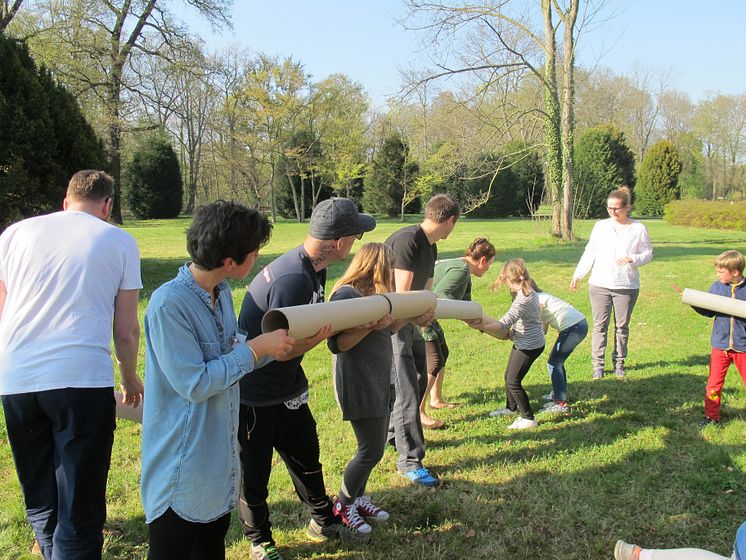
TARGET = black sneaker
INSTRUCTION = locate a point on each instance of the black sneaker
(707, 421)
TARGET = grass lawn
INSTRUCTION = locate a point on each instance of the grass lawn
(629, 462)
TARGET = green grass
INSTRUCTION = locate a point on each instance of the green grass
(629, 462)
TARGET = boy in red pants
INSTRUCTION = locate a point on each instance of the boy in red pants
(728, 338)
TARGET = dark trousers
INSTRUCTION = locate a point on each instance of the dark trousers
(371, 441)
(405, 426)
(61, 442)
(293, 433)
(519, 363)
(171, 537)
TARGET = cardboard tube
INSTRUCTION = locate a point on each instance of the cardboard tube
(406, 305)
(127, 411)
(303, 321)
(457, 309)
(711, 302)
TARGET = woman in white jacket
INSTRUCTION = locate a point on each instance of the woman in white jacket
(617, 247)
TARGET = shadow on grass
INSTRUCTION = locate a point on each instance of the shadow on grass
(566, 490)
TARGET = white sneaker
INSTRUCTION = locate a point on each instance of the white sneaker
(503, 412)
(549, 396)
(523, 424)
(555, 408)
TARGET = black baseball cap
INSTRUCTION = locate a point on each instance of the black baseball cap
(338, 217)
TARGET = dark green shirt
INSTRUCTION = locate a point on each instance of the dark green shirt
(451, 280)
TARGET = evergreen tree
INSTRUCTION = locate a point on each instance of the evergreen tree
(392, 174)
(152, 180)
(44, 138)
(603, 162)
(657, 184)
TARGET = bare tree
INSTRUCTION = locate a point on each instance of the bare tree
(96, 41)
(8, 10)
(501, 44)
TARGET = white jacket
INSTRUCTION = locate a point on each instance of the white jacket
(605, 246)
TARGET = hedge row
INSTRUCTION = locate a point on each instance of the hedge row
(702, 213)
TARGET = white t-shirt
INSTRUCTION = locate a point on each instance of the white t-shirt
(62, 273)
(557, 313)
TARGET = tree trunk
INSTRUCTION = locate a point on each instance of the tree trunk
(568, 118)
(552, 133)
(113, 147)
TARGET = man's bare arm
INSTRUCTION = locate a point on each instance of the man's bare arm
(126, 343)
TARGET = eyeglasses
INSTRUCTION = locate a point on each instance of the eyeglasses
(615, 208)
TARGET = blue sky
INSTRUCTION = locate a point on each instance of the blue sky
(701, 44)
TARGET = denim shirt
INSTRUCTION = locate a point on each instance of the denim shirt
(190, 458)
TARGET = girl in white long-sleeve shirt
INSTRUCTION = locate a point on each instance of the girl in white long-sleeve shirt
(617, 247)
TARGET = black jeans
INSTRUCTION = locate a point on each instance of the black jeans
(173, 538)
(519, 363)
(61, 442)
(293, 433)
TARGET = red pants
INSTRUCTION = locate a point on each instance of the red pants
(720, 361)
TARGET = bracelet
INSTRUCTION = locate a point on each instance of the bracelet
(256, 358)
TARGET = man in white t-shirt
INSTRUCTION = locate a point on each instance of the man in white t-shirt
(67, 280)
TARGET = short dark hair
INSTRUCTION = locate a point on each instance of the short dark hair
(90, 184)
(225, 229)
(441, 207)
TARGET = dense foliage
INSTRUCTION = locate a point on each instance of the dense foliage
(603, 162)
(657, 183)
(44, 137)
(392, 175)
(709, 214)
(152, 180)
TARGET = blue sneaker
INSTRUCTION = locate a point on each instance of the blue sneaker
(423, 477)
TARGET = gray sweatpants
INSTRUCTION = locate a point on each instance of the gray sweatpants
(410, 370)
(371, 441)
(603, 301)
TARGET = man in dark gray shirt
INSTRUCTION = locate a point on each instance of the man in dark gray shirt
(415, 253)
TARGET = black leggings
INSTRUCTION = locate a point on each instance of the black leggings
(173, 538)
(519, 363)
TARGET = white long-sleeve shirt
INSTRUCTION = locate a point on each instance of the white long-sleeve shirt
(605, 246)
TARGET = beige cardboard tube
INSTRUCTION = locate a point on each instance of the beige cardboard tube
(303, 321)
(406, 305)
(127, 411)
(457, 309)
(711, 302)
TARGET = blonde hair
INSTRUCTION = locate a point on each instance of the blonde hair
(515, 272)
(623, 194)
(731, 260)
(370, 272)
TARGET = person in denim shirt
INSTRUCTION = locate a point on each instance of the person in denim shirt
(194, 360)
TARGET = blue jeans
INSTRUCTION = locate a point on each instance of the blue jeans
(566, 342)
(61, 442)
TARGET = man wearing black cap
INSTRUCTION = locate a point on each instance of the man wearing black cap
(274, 412)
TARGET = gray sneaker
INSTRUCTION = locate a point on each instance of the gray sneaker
(598, 374)
(619, 371)
(317, 533)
